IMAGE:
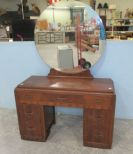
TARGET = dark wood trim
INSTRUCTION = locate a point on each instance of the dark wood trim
(77, 73)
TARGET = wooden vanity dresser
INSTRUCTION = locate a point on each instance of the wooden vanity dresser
(37, 97)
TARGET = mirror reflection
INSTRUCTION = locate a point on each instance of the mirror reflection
(69, 34)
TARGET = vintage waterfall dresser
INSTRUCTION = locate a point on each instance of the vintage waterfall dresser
(37, 97)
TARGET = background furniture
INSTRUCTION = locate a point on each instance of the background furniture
(95, 96)
(3, 34)
(23, 30)
(49, 37)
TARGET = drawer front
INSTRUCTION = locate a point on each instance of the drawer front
(58, 34)
(58, 40)
(52, 99)
(99, 101)
(98, 125)
(26, 96)
(31, 121)
(63, 100)
(44, 34)
(44, 39)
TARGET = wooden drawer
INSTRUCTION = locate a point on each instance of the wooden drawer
(98, 101)
(31, 122)
(58, 40)
(26, 96)
(52, 99)
(98, 126)
(62, 100)
(35, 121)
(44, 34)
(58, 34)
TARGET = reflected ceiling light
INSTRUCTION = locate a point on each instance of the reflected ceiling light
(57, 7)
(79, 6)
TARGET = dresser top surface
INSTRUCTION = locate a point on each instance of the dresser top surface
(69, 84)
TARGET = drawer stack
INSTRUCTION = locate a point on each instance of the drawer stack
(34, 120)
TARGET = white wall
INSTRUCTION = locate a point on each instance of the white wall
(19, 60)
(61, 15)
(42, 4)
(117, 63)
(85, 1)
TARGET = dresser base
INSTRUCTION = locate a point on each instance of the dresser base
(35, 121)
(37, 97)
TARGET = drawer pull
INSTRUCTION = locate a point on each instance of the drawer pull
(28, 109)
(99, 101)
(30, 128)
(58, 99)
(28, 96)
(29, 115)
(61, 99)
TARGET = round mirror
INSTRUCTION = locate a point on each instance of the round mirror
(69, 34)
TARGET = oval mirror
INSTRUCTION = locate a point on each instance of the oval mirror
(69, 34)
